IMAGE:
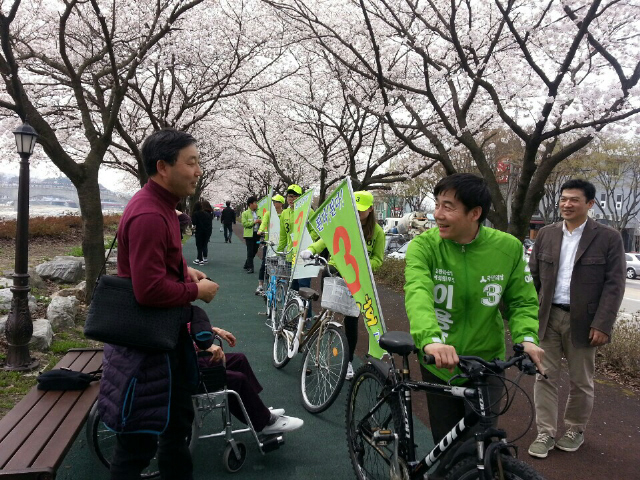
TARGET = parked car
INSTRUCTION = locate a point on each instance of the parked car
(400, 253)
(633, 264)
(393, 242)
(528, 246)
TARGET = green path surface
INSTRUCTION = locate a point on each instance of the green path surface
(316, 451)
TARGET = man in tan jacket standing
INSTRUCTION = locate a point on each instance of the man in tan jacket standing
(578, 269)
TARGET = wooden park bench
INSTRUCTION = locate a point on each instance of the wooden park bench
(38, 432)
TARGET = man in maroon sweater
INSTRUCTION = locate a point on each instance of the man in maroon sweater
(150, 253)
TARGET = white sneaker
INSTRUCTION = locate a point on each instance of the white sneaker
(205, 260)
(282, 425)
(197, 262)
(349, 374)
(259, 291)
(278, 412)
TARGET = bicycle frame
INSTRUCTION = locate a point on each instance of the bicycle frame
(402, 388)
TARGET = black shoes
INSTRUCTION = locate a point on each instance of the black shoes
(250, 271)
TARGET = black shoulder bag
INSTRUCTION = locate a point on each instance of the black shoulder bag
(66, 379)
(116, 317)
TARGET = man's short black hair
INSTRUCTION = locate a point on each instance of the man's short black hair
(579, 184)
(228, 202)
(251, 199)
(164, 145)
(470, 189)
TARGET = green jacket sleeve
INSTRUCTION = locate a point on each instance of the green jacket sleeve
(284, 235)
(247, 219)
(521, 302)
(418, 291)
(264, 225)
(376, 254)
(318, 246)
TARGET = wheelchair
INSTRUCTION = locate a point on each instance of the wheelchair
(213, 395)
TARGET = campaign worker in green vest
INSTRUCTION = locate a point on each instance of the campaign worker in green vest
(251, 223)
(263, 231)
(461, 278)
(374, 238)
(286, 234)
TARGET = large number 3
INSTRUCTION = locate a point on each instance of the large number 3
(341, 234)
(298, 222)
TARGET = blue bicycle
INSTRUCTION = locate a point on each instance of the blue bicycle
(279, 271)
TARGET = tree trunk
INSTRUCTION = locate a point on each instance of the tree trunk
(92, 230)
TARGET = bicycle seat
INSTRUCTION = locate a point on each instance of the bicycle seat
(308, 293)
(400, 343)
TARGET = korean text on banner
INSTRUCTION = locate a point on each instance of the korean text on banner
(338, 224)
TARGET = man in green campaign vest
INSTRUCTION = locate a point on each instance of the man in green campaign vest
(292, 223)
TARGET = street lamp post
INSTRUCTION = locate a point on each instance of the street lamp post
(19, 328)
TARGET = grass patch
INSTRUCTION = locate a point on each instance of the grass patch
(63, 346)
(76, 251)
(391, 274)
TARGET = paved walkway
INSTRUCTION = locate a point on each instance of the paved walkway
(318, 450)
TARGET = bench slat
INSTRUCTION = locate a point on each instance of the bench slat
(58, 446)
(22, 408)
(49, 421)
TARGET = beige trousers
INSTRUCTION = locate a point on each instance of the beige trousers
(556, 344)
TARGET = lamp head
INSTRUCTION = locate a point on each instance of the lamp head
(25, 138)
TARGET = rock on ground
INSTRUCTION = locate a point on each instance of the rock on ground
(6, 295)
(42, 335)
(61, 312)
(62, 269)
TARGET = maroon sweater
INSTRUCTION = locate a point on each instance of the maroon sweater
(150, 250)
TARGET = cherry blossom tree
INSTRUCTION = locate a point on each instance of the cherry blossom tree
(553, 73)
(66, 67)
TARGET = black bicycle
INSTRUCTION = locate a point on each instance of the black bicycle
(380, 432)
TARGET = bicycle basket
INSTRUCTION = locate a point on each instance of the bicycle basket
(284, 268)
(271, 264)
(337, 297)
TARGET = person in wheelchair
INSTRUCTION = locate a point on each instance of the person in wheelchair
(240, 377)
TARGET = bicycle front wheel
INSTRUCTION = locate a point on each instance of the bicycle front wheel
(371, 460)
(277, 307)
(323, 369)
(281, 340)
(102, 443)
(513, 469)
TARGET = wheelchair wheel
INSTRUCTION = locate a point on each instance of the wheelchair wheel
(102, 443)
(231, 462)
(323, 369)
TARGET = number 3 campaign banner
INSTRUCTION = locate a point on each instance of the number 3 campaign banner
(338, 224)
(264, 202)
(301, 237)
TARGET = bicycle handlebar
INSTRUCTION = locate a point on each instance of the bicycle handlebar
(472, 366)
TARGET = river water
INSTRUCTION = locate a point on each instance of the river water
(8, 212)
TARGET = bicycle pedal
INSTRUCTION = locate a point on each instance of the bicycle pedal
(262, 314)
(383, 437)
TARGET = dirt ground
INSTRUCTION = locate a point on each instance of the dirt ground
(41, 249)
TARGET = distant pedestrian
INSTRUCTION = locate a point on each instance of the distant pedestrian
(202, 222)
(228, 218)
(251, 223)
(578, 269)
(185, 222)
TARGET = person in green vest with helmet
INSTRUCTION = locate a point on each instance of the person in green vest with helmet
(374, 238)
(287, 223)
(263, 231)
